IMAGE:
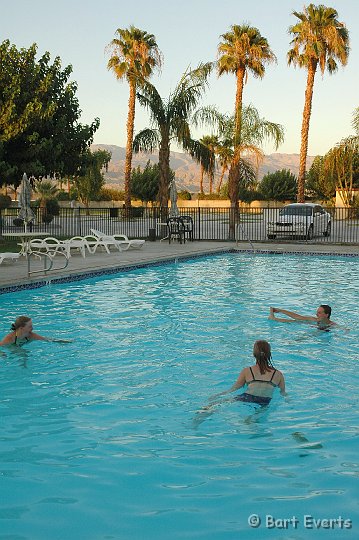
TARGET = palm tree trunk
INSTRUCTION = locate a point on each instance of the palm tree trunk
(211, 183)
(130, 128)
(164, 165)
(233, 189)
(238, 113)
(305, 130)
(201, 180)
(221, 179)
(233, 176)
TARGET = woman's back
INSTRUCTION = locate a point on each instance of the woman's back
(262, 384)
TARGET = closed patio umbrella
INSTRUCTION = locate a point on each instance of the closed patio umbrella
(25, 200)
(173, 198)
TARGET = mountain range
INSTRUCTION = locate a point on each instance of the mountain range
(186, 169)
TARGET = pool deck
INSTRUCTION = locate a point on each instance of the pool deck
(15, 273)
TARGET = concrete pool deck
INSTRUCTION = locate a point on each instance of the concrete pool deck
(15, 273)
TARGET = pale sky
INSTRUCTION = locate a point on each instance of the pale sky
(187, 33)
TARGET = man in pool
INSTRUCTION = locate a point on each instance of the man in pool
(322, 318)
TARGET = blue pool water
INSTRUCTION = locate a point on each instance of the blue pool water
(98, 438)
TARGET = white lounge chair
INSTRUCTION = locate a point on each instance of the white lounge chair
(110, 240)
(122, 239)
(50, 245)
(76, 242)
(8, 256)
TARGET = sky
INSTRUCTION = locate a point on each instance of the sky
(188, 32)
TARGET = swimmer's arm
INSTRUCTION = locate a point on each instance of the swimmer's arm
(293, 315)
(37, 337)
(7, 340)
(281, 385)
(241, 381)
(280, 319)
(61, 340)
(49, 340)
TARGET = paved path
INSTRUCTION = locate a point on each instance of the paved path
(15, 273)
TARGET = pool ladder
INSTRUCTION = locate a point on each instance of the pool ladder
(240, 226)
(48, 262)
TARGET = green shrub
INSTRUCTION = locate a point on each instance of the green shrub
(47, 218)
(5, 201)
(133, 212)
(63, 196)
(184, 195)
(18, 222)
(111, 194)
(53, 207)
(211, 196)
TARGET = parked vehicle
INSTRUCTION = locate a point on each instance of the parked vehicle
(300, 219)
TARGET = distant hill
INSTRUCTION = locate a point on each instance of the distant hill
(186, 169)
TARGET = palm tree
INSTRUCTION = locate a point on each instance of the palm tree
(207, 159)
(254, 132)
(134, 55)
(243, 50)
(46, 190)
(170, 121)
(319, 40)
(341, 164)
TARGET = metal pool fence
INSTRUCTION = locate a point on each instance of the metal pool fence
(208, 223)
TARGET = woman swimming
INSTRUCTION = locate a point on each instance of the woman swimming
(22, 332)
(261, 378)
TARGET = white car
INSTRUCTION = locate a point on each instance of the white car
(300, 219)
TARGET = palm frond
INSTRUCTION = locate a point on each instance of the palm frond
(146, 140)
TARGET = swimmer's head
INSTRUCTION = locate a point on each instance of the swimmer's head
(324, 311)
(21, 322)
(262, 353)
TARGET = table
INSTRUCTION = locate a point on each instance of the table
(25, 243)
(25, 239)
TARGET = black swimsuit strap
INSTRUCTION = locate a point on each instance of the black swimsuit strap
(273, 374)
(252, 373)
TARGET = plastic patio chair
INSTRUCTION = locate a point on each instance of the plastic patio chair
(188, 226)
(176, 229)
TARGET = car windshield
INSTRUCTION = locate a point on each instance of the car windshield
(296, 211)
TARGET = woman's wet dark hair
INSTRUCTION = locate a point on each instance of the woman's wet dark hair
(327, 310)
(20, 322)
(262, 353)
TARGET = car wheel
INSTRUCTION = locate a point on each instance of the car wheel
(310, 233)
(328, 230)
(271, 236)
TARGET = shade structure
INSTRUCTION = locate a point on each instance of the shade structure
(25, 200)
(173, 198)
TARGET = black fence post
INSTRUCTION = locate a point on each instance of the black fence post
(199, 222)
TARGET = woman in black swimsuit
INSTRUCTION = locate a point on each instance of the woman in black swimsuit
(261, 379)
(22, 333)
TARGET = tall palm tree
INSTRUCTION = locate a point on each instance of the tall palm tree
(243, 50)
(170, 120)
(134, 56)
(319, 40)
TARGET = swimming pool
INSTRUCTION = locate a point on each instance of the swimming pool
(98, 439)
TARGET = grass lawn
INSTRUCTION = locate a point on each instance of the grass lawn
(9, 245)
